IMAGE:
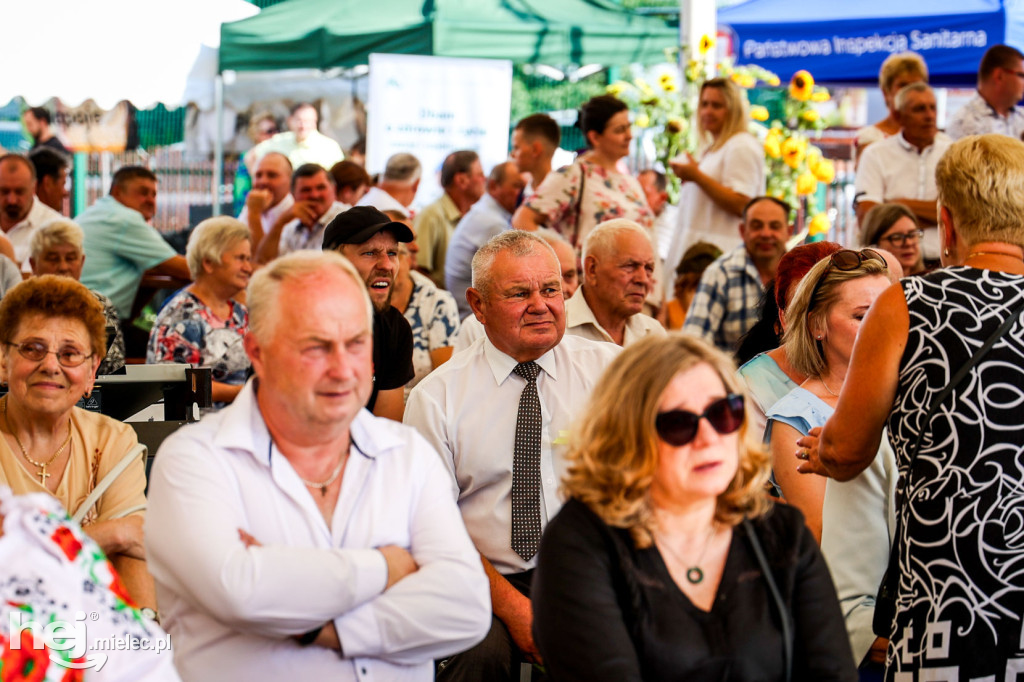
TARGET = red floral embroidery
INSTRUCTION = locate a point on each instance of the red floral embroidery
(73, 674)
(67, 541)
(118, 588)
(26, 664)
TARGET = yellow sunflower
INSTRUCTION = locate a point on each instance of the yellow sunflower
(819, 224)
(706, 43)
(806, 184)
(802, 86)
(793, 151)
(759, 113)
(811, 115)
(825, 171)
(820, 96)
(643, 121)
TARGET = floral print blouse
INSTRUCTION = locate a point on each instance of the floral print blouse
(606, 195)
(187, 331)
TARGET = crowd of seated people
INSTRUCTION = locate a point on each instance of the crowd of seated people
(476, 437)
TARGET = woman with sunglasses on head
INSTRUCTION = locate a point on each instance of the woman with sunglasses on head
(54, 334)
(668, 561)
(894, 227)
(939, 360)
(852, 521)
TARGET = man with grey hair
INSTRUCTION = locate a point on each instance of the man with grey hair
(463, 179)
(487, 217)
(618, 275)
(497, 413)
(901, 168)
(397, 187)
(293, 530)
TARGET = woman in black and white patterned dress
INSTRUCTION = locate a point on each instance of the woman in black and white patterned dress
(960, 601)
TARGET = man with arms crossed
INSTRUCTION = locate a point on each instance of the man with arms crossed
(277, 527)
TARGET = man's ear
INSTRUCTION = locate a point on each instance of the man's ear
(476, 303)
(590, 269)
(252, 349)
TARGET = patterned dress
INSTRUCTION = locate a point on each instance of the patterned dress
(434, 319)
(961, 501)
(187, 331)
(606, 196)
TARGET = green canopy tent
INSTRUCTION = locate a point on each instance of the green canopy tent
(342, 33)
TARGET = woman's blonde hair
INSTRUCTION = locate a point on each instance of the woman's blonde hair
(210, 239)
(895, 65)
(980, 180)
(810, 307)
(736, 118)
(614, 449)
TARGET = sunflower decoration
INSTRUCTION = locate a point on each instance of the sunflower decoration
(705, 45)
(801, 86)
(759, 113)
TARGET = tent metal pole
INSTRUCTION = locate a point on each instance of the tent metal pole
(218, 149)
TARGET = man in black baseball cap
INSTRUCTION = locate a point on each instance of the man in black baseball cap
(369, 239)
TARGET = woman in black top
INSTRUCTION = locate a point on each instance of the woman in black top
(650, 570)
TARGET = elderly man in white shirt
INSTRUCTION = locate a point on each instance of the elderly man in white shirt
(498, 413)
(618, 275)
(294, 533)
(901, 168)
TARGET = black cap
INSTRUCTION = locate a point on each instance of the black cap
(358, 224)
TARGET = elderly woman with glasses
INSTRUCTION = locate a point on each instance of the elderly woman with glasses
(203, 325)
(895, 228)
(851, 521)
(669, 561)
(53, 334)
(57, 250)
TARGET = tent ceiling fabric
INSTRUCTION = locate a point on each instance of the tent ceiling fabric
(846, 42)
(143, 52)
(342, 33)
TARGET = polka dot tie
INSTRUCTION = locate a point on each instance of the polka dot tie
(526, 466)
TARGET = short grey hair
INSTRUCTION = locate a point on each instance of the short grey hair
(210, 239)
(518, 243)
(601, 240)
(551, 237)
(265, 286)
(402, 167)
(54, 233)
(901, 97)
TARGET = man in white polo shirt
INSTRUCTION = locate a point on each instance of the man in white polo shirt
(901, 168)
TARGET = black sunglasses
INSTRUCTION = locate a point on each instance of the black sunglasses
(679, 427)
(847, 260)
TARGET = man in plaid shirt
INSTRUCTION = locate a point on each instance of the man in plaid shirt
(725, 306)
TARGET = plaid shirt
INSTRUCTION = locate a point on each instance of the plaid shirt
(725, 306)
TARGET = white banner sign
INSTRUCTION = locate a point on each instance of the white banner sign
(432, 106)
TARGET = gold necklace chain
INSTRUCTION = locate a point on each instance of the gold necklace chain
(330, 479)
(994, 253)
(24, 453)
(694, 573)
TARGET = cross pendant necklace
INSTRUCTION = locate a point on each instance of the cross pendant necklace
(43, 475)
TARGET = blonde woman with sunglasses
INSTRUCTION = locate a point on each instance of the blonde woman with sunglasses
(668, 561)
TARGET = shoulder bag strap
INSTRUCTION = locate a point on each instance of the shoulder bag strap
(108, 480)
(787, 631)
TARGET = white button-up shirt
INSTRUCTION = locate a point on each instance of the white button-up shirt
(21, 233)
(467, 410)
(580, 321)
(894, 169)
(231, 610)
(297, 237)
(269, 216)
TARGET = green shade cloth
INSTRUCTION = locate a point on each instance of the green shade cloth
(342, 33)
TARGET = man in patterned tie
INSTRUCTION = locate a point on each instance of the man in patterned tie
(499, 413)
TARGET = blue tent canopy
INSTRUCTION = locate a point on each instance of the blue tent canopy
(846, 42)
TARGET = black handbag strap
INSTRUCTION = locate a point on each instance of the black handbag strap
(787, 630)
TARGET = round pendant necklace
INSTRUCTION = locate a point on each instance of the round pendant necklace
(694, 574)
(24, 453)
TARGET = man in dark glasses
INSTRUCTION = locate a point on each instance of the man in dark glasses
(725, 306)
(498, 412)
